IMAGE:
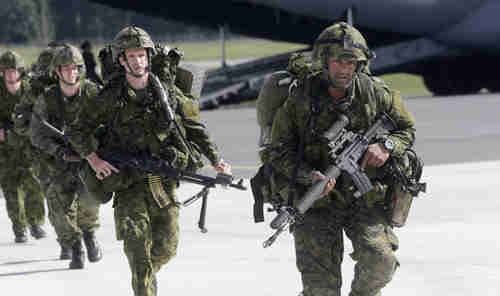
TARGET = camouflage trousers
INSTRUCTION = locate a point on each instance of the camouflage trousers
(150, 233)
(24, 199)
(319, 244)
(71, 208)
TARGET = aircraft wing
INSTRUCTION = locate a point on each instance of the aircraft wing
(437, 39)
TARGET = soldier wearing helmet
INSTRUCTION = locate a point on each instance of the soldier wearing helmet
(138, 123)
(74, 213)
(15, 159)
(340, 86)
(40, 79)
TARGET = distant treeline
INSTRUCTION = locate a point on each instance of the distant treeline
(40, 21)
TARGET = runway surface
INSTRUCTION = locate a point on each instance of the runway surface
(449, 130)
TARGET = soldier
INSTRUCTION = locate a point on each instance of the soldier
(74, 213)
(16, 158)
(340, 86)
(136, 123)
(39, 80)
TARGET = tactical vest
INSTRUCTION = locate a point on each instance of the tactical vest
(61, 111)
(139, 125)
(272, 96)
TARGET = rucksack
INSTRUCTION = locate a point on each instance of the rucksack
(272, 96)
(275, 91)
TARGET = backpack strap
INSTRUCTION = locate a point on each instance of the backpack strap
(311, 122)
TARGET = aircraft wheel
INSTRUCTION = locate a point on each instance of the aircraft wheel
(446, 81)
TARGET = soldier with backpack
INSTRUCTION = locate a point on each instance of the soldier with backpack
(336, 83)
(136, 110)
(74, 213)
(185, 79)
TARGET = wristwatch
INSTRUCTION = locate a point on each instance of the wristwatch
(388, 144)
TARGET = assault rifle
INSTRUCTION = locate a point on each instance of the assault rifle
(158, 167)
(155, 166)
(346, 150)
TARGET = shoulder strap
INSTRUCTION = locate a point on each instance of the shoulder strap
(311, 122)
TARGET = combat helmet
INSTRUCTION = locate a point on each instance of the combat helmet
(40, 75)
(66, 55)
(44, 60)
(132, 37)
(341, 40)
(11, 60)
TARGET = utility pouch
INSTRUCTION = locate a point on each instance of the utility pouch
(399, 204)
(404, 187)
(158, 192)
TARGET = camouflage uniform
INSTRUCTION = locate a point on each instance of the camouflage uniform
(27, 204)
(72, 211)
(136, 122)
(165, 64)
(39, 80)
(196, 132)
(307, 114)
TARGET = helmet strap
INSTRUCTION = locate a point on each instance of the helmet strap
(61, 78)
(131, 72)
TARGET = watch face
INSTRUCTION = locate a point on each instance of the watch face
(389, 144)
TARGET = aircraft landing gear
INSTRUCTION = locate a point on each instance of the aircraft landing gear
(445, 79)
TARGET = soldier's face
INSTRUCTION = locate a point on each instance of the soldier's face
(341, 70)
(11, 76)
(69, 73)
(137, 60)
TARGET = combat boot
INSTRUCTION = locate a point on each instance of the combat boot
(37, 232)
(94, 251)
(78, 256)
(21, 236)
(66, 253)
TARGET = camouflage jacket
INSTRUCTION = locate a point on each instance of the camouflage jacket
(188, 109)
(294, 122)
(16, 147)
(129, 120)
(196, 132)
(60, 111)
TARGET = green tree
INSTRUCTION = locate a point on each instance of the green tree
(20, 21)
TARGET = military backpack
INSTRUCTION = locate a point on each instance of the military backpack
(272, 96)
